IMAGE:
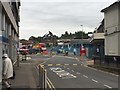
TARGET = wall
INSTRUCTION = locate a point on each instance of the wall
(111, 17)
(119, 33)
(0, 48)
(10, 15)
(119, 44)
(111, 45)
(111, 25)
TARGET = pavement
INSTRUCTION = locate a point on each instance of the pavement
(26, 75)
(82, 59)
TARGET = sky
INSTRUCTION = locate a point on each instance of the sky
(37, 17)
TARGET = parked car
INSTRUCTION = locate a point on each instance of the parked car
(33, 51)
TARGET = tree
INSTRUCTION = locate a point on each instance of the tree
(23, 41)
(78, 35)
(65, 36)
(34, 39)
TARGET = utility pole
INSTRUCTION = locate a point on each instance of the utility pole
(82, 31)
(82, 34)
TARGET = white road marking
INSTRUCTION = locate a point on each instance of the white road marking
(69, 76)
(44, 62)
(85, 66)
(89, 67)
(107, 86)
(72, 70)
(73, 75)
(74, 64)
(76, 58)
(62, 73)
(78, 73)
(103, 71)
(67, 68)
(28, 58)
(94, 80)
(85, 76)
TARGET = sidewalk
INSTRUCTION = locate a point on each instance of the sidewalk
(26, 76)
(83, 59)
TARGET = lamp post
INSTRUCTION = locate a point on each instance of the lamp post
(82, 49)
(82, 31)
(82, 34)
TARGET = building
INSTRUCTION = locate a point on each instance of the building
(78, 43)
(9, 29)
(112, 33)
(71, 44)
(97, 40)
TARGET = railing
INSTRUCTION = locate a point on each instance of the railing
(42, 78)
(44, 82)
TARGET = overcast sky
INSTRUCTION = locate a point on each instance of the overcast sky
(40, 16)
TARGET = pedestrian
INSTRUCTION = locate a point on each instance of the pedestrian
(74, 50)
(7, 71)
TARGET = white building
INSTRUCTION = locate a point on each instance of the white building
(112, 32)
(9, 29)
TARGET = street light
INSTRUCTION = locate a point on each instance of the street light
(82, 31)
(82, 40)
(82, 34)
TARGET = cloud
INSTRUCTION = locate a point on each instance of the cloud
(67, 0)
(37, 18)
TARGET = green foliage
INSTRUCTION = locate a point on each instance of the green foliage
(51, 37)
(76, 35)
(35, 40)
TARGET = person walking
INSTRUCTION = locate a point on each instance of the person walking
(7, 71)
(74, 51)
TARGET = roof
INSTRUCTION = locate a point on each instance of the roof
(103, 10)
(80, 41)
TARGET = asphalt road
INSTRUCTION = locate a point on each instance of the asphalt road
(67, 72)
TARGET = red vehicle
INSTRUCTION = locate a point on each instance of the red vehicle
(42, 48)
(23, 49)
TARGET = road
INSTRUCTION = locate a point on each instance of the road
(67, 72)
